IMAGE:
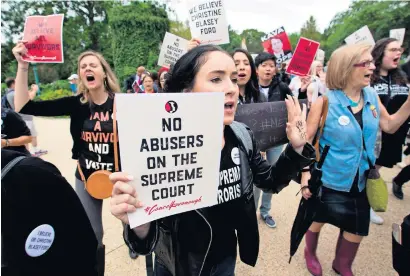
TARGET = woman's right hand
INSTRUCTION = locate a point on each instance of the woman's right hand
(304, 83)
(124, 197)
(19, 50)
(303, 183)
(194, 42)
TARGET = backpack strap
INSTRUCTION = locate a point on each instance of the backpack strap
(10, 165)
(325, 109)
(242, 132)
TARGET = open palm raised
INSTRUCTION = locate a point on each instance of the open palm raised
(296, 125)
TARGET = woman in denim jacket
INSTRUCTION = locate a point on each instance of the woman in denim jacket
(354, 116)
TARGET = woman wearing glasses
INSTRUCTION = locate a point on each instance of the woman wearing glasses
(391, 84)
(356, 111)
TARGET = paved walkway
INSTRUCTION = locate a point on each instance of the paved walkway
(374, 257)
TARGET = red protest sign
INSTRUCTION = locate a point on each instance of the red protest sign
(44, 36)
(303, 57)
(277, 43)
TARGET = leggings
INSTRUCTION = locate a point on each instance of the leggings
(403, 176)
(93, 208)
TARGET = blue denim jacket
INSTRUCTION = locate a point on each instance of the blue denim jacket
(345, 137)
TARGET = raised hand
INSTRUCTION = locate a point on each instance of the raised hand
(194, 42)
(19, 50)
(296, 125)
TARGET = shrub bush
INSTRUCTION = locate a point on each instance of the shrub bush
(53, 94)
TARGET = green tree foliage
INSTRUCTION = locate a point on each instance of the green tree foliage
(137, 31)
(235, 41)
(294, 38)
(253, 40)
(379, 16)
(180, 29)
(310, 30)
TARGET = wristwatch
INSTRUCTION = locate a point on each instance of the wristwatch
(7, 142)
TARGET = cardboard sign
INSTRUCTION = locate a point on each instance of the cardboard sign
(303, 57)
(363, 35)
(320, 55)
(173, 47)
(267, 122)
(175, 158)
(45, 38)
(207, 21)
(398, 34)
(277, 43)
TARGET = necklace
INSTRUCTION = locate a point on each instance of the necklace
(353, 103)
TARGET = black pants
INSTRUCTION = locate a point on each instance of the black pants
(403, 176)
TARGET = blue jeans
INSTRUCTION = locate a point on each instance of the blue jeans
(272, 155)
(225, 268)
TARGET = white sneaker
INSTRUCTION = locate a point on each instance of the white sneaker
(376, 219)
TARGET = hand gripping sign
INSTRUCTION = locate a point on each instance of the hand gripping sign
(44, 36)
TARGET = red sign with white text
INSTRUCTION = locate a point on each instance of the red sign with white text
(303, 57)
(44, 36)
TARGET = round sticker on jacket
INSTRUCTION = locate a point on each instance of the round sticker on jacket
(344, 120)
(235, 156)
(40, 240)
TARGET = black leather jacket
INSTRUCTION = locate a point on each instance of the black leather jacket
(164, 238)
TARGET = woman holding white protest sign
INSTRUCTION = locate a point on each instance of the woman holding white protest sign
(204, 241)
(352, 113)
(91, 123)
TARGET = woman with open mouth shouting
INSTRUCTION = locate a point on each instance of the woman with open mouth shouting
(91, 123)
(391, 85)
(204, 242)
(354, 116)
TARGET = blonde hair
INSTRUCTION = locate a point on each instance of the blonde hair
(341, 65)
(110, 82)
(313, 69)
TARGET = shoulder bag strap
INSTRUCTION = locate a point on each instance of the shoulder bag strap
(10, 165)
(325, 109)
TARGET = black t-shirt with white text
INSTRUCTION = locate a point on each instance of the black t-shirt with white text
(223, 217)
(97, 140)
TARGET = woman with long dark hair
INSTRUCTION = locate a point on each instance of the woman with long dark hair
(390, 84)
(247, 78)
(204, 241)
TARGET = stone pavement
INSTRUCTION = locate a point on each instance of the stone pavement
(374, 256)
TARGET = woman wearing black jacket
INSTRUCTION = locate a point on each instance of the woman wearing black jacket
(204, 241)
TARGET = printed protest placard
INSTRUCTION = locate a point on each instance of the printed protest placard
(44, 35)
(277, 43)
(173, 47)
(267, 122)
(398, 34)
(174, 156)
(320, 55)
(303, 57)
(363, 35)
(207, 21)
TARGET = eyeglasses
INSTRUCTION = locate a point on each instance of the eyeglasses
(393, 50)
(364, 64)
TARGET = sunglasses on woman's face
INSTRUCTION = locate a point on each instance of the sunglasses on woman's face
(364, 64)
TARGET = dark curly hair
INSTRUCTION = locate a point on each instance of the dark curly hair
(181, 76)
(396, 74)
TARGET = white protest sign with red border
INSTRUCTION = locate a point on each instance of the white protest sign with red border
(277, 43)
(44, 36)
(303, 57)
(207, 21)
(175, 158)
